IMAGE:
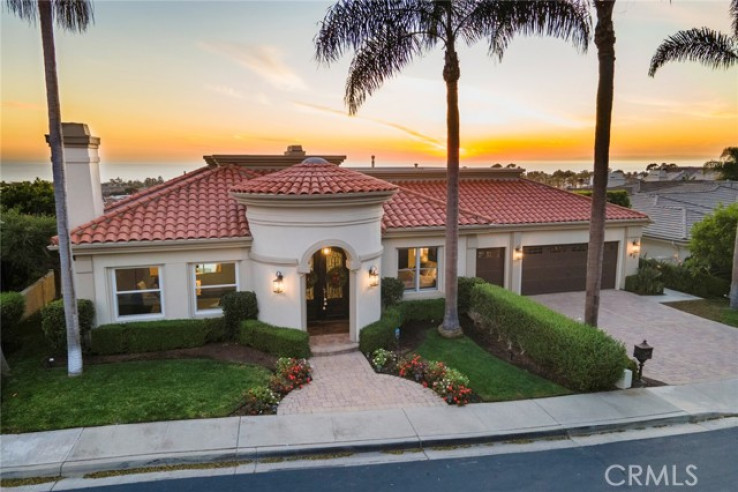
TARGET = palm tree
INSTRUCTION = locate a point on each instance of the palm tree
(605, 42)
(716, 50)
(703, 45)
(71, 15)
(387, 35)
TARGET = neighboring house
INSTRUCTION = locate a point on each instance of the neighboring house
(312, 239)
(681, 173)
(674, 209)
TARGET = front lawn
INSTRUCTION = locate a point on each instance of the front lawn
(37, 399)
(712, 309)
(490, 378)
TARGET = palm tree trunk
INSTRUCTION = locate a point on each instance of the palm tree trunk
(4, 367)
(734, 281)
(74, 349)
(451, 326)
(605, 41)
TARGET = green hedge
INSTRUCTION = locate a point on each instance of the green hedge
(381, 333)
(54, 325)
(646, 282)
(423, 309)
(153, 336)
(392, 291)
(617, 197)
(12, 305)
(581, 357)
(282, 342)
(683, 279)
(237, 307)
(466, 284)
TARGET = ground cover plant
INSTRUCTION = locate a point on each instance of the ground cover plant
(712, 309)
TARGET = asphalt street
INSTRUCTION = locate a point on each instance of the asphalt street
(706, 461)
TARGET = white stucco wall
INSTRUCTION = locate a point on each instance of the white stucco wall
(664, 250)
(286, 236)
(94, 277)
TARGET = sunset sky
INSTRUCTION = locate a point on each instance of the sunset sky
(172, 81)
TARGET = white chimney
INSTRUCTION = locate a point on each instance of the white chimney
(84, 195)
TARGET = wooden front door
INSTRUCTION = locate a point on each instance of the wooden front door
(327, 286)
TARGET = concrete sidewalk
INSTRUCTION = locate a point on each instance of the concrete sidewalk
(74, 452)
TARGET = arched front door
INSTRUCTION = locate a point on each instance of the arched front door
(327, 286)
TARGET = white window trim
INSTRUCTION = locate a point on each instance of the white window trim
(160, 290)
(193, 278)
(416, 288)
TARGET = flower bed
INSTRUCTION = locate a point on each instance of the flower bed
(450, 384)
(291, 374)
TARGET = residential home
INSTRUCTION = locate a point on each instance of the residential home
(312, 238)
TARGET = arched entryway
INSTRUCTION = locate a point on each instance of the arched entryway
(327, 292)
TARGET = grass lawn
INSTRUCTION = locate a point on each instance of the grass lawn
(37, 399)
(713, 309)
(490, 378)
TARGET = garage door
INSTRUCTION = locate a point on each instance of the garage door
(563, 268)
(491, 265)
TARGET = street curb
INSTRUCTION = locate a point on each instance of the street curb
(255, 454)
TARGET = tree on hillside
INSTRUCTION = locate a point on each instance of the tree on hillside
(716, 50)
(727, 166)
(24, 256)
(605, 41)
(28, 197)
(71, 15)
(387, 35)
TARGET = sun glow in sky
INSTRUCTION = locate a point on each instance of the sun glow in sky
(171, 81)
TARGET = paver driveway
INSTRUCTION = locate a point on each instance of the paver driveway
(687, 348)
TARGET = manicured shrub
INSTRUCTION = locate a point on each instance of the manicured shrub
(12, 305)
(581, 357)
(392, 291)
(381, 333)
(217, 329)
(423, 310)
(466, 284)
(617, 197)
(259, 401)
(282, 342)
(238, 307)
(690, 280)
(150, 336)
(645, 282)
(54, 325)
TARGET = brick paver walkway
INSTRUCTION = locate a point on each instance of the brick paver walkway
(687, 348)
(346, 382)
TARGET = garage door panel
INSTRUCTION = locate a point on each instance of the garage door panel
(563, 268)
(491, 265)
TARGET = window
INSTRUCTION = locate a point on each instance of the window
(212, 280)
(417, 268)
(137, 291)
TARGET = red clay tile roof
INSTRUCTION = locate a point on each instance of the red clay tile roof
(196, 205)
(314, 177)
(515, 201)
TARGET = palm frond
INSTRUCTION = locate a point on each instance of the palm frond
(703, 45)
(70, 15)
(378, 59)
(349, 24)
(501, 21)
(734, 15)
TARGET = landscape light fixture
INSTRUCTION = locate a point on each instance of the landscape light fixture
(373, 276)
(278, 283)
(635, 249)
(518, 253)
(642, 352)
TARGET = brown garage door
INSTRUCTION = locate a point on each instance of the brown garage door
(491, 265)
(563, 268)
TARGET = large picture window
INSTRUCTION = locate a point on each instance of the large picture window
(137, 291)
(212, 280)
(417, 268)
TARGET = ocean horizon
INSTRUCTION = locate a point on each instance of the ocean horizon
(28, 171)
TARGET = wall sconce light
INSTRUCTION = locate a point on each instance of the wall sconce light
(518, 253)
(278, 283)
(635, 249)
(373, 276)
(327, 250)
